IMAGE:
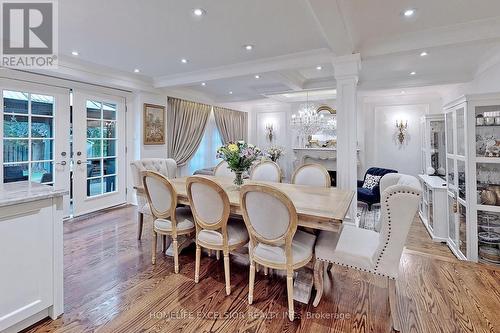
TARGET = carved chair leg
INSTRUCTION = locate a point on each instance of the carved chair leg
(318, 281)
(176, 256)
(217, 254)
(197, 264)
(393, 303)
(289, 288)
(266, 270)
(153, 250)
(227, 272)
(140, 223)
(252, 282)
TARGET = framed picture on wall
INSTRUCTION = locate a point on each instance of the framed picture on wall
(154, 124)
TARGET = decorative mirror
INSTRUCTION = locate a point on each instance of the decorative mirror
(326, 137)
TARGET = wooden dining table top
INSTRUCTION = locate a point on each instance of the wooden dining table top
(321, 208)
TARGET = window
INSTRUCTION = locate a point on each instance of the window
(205, 155)
(28, 137)
(101, 148)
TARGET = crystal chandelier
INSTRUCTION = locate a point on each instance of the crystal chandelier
(307, 122)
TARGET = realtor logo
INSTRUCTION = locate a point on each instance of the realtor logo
(29, 34)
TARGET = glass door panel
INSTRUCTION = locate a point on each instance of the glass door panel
(460, 114)
(487, 131)
(449, 133)
(452, 218)
(462, 229)
(99, 137)
(462, 185)
(34, 142)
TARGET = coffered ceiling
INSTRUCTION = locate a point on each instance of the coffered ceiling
(294, 42)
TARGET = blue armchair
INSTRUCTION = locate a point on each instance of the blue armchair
(371, 196)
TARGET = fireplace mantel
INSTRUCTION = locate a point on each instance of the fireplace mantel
(324, 156)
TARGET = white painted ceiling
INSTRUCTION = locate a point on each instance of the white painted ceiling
(290, 38)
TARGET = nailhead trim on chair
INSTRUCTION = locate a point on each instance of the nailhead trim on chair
(383, 249)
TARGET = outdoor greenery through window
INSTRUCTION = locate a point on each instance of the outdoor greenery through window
(28, 137)
(101, 148)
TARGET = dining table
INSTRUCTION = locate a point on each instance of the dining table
(318, 208)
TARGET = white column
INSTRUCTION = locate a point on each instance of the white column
(346, 74)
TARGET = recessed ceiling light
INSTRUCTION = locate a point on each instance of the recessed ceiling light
(198, 11)
(403, 92)
(423, 54)
(409, 12)
(184, 61)
(230, 93)
(257, 76)
(137, 70)
(413, 73)
(248, 47)
(75, 53)
(203, 84)
(319, 68)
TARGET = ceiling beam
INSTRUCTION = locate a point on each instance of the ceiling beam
(260, 66)
(292, 79)
(331, 23)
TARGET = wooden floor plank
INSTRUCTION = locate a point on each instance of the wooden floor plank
(111, 286)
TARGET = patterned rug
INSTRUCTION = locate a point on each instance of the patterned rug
(368, 219)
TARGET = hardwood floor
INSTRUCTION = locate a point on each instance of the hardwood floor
(111, 286)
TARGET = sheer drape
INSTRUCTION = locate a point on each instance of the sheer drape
(232, 125)
(186, 122)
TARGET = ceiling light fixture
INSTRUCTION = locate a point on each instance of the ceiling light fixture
(230, 93)
(413, 73)
(257, 76)
(403, 92)
(423, 54)
(248, 47)
(198, 12)
(75, 53)
(319, 68)
(409, 12)
(203, 84)
(184, 61)
(136, 70)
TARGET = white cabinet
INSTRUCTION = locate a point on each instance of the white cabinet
(432, 210)
(473, 175)
(31, 254)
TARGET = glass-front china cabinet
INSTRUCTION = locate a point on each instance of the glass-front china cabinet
(473, 176)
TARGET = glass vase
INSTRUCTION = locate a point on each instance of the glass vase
(238, 179)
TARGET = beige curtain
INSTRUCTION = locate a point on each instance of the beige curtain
(186, 122)
(232, 125)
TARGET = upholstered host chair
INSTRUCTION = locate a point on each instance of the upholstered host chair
(214, 231)
(266, 171)
(222, 170)
(369, 187)
(275, 241)
(166, 167)
(168, 219)
(369, 251)
(312, 175)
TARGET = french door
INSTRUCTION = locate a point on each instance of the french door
(99, 155)
(35, 128)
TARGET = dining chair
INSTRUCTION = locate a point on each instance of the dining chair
(312, 175)
(167, 167)
(222, 170)
(266, 171)
(214, 230)
(275, 241)
(168, 219)
(370, 251)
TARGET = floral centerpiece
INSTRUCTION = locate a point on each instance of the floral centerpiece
(274, 153)
(239, 157)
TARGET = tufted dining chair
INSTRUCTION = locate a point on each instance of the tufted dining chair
(166, 167)
(266, 171)
(312, 175)
(222, 170)
(275, 241)
(214, 230)
(369, 251)
(168, 219)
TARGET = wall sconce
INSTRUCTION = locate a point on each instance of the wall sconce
(401, 129)
(270, 132)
